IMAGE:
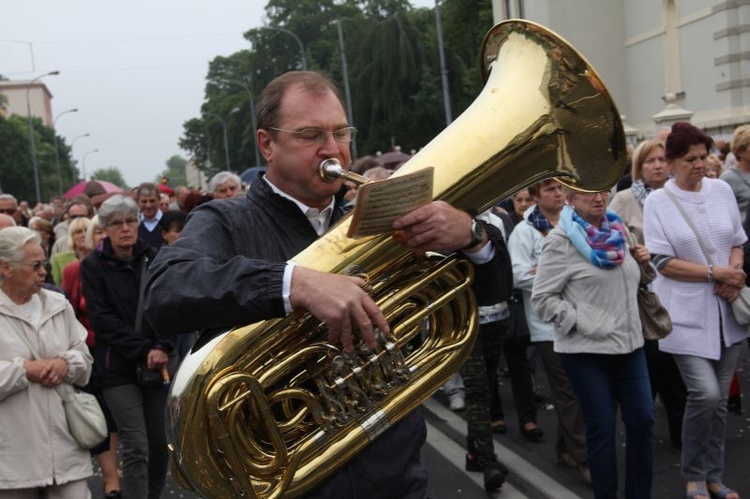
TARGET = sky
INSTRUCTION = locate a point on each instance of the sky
(134, 70)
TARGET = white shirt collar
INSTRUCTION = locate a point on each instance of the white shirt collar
(319, 219)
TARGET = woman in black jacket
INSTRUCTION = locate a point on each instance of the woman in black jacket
(112, 277)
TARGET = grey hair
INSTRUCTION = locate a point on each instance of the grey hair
(12, 242)
(117, 205)
(222, 177)
(8, 197)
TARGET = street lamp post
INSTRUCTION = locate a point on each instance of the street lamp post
(57, 152)
(252, 115)
(299, 42)
(83, 135)
(224, 127)
(443, 69)
(83, 162)
(348, 95)
(31, 133)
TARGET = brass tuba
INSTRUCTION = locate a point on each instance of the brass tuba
(272, 409)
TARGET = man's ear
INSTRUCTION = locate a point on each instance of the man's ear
(265, 144)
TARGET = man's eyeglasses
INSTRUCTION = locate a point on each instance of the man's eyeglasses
(73, 217)
(40, 264)
(118, 224)
(312, 136)
(9, 211)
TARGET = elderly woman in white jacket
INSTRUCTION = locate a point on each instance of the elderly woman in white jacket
(586, 285)
(36, 448)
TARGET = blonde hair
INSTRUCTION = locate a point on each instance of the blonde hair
(90, 230)
(77, 224)
(641, 153)
(741, 139)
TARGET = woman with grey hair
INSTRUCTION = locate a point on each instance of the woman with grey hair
(37, 451)
(112, 277)
(225, 185)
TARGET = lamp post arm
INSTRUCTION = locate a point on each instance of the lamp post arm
(31, 134)
(299, 42)
(57, 152)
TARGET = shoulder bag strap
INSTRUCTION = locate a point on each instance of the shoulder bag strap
(690, 224)
(59, 388)
(141, 289)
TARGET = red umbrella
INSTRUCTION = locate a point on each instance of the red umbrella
(79, 188)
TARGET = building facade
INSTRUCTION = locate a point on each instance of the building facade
(40, 99)
(662, 60)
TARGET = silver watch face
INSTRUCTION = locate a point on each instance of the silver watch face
(477, 232)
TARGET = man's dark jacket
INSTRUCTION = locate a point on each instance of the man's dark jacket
(226, 269)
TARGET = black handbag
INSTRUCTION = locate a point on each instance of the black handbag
(156, 377)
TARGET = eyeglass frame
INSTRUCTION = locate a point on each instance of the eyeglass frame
(322, 134)
(119, 224)
(38, 265)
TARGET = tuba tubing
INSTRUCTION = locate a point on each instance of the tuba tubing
(271, 409)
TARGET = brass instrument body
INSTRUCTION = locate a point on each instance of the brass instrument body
(260, 412)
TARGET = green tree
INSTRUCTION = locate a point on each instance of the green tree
(175, 172)
(110, 174)
(16, 166)
(393, 70)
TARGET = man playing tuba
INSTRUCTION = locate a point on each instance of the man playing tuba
(231, 265)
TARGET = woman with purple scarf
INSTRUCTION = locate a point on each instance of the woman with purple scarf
(586, 285)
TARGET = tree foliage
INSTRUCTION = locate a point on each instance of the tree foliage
(110, 174)
(393, 67)
(16, 165)
(175, 172)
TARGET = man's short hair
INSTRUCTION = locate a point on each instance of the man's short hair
(146, 189)
(81, 200)
(268, 105)
(222, 177)
(8, 197)
(535, 188)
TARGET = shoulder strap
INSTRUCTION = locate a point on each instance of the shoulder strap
(24, 339)
(141, 289)
(690, 224)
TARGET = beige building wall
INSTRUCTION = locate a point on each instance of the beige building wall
(40, 99)
(661, 60)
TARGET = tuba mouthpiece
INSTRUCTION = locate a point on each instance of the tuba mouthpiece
(331, 169)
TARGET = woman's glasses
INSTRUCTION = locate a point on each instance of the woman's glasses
(38, 265)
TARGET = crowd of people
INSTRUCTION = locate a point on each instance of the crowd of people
(113, 290)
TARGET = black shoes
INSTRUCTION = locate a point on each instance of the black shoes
(499, 427)
(494, 472)
(534, 434)
(494, 478)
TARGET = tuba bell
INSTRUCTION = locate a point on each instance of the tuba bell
(272, 409)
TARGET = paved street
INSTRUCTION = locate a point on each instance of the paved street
(534, 471)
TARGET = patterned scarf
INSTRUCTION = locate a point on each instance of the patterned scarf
(640, 191)
(605, 246)
(539, 221)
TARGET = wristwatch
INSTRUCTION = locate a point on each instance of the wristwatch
(477, 234)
